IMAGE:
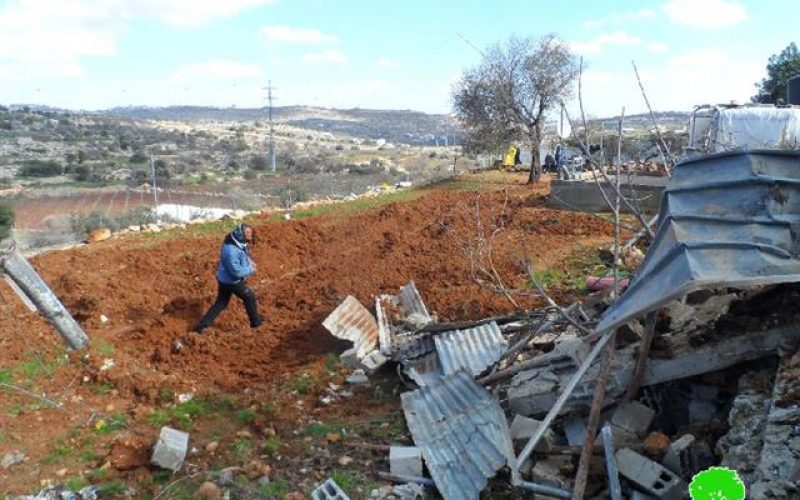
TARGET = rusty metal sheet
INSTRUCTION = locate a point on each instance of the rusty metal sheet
(352, 321)
(462, 432)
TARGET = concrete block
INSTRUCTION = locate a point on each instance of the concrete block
(633, 417)
(405, 461)
(677, 456)
(622, 438)
(649, 476)
(554, 471)
(170, 449)
(523, 428)
(329, 490)
(573, 348)
(575, 429)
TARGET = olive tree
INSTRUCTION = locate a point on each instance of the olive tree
(507, 96)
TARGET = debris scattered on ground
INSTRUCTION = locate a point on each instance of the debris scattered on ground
(170, 449)
(12, 458)
(329, 490)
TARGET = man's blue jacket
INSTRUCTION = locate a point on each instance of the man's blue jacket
(234, 263)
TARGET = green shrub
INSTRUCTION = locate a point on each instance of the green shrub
(37, 168)
(6, 221)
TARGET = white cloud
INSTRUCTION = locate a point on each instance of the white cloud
(286, 34)
(708, 14)
(40, 38)
(48, 37)
(187, 12)
(657, 47)
(599, 42)
(386, 63)
(331, 56)
(620, 18)
(218, 69)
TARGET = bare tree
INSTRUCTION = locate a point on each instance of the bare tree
(507, 96)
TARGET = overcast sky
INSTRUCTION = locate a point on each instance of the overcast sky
(96, 54)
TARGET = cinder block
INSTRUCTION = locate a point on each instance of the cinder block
(523, 428)
(329, 490)
(677, 454)
(170, 449)
(633, 417)
(405, 461)
(649, 476)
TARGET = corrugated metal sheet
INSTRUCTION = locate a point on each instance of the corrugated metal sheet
(727, 220)
(424, 370)
(474, 349)
(408, 302)
(411, 301)
(352, 321)
(462, 432)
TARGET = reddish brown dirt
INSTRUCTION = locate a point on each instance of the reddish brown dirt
(152, 288)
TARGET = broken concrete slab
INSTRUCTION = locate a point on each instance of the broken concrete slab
(651, 477)
(633, 417)
(533, 392)
(686, 456)
(170, 449)
(555, 471)
(778, 463)
(405, 460)
(522, 428)
(741, 446)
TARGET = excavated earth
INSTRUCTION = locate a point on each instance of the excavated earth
(137, 296)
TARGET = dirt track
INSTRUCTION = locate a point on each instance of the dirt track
(152, 289)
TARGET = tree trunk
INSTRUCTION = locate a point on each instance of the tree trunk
(536, 163)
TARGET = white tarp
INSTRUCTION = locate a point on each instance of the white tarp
(185, 213)
(757, 128)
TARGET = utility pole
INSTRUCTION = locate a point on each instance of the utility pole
(271, 143)
(155, 190)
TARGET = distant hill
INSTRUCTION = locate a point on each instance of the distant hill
(672, 120)
(411, 127)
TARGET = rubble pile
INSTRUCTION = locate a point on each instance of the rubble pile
(720, 388)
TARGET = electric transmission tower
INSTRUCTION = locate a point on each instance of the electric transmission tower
(269, 90)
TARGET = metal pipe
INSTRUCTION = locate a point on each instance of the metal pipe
(562, 399)
(26, 278)
(402, 478)
(544, 490)
(611, 463)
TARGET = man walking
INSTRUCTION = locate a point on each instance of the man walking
(235, 265)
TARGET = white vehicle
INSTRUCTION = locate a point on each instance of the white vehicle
(717, 128)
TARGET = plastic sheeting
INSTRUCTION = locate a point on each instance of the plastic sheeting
(718, 129)
(727, 220)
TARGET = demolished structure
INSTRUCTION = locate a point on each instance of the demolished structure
(700, 367)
